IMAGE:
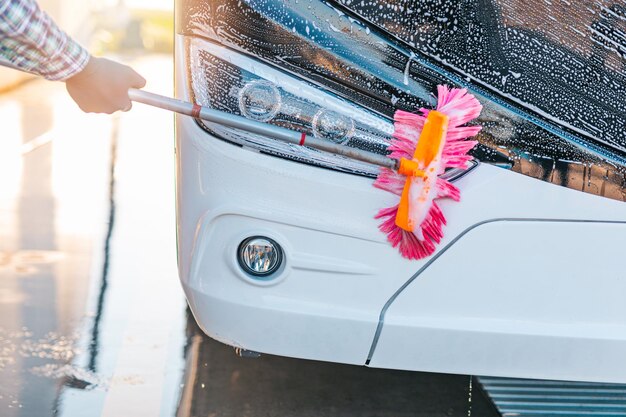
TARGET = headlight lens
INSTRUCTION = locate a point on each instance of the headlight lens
(260, 100)
(226, 80)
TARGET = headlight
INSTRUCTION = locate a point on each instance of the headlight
(229, 81)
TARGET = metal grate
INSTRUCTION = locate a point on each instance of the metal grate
(536, 398)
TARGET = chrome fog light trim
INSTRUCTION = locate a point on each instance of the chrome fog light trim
(259, 256)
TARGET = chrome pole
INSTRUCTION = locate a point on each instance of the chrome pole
(252, 126)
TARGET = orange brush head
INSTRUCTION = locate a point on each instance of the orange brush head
(426, 144)
(428, 150)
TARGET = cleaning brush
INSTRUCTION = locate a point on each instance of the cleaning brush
(423, 147)
(426, 145)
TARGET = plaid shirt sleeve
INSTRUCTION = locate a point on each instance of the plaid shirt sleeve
(31, 41)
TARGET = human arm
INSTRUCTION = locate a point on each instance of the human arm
(32, 42)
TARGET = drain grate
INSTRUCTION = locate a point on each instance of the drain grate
(535, 398)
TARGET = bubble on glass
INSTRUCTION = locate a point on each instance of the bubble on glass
(332, 126)
(260, 100)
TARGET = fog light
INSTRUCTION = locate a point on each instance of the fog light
(260, 256)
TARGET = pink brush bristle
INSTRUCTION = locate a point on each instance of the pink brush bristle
(460, 107)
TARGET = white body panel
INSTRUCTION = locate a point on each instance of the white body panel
(516, 298)
(339, 269)
(507, 298)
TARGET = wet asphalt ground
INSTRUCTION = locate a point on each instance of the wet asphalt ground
(92, 319)
(221, 384)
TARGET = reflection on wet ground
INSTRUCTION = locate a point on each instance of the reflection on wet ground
(90, 322)
(92, 318)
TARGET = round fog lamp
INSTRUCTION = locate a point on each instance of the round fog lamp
(259, 256)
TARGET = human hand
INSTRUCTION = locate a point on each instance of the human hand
(102, 86)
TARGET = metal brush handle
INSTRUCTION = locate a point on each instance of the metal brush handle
(252, 126)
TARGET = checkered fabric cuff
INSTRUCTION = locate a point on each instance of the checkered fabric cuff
(30, 40)
(71, 60)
